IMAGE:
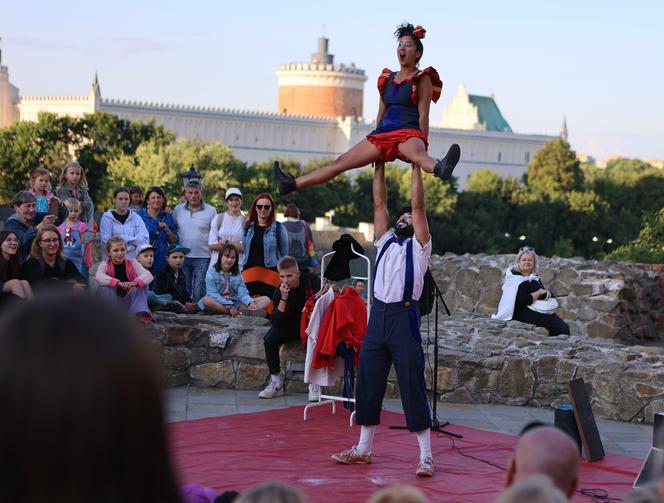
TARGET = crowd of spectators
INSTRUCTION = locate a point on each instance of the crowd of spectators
(187, 258)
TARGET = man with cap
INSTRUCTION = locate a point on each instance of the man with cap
(228, 226)
(393, 334)
(171, 279)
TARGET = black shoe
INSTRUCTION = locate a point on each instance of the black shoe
(445, 166)
(285, 181)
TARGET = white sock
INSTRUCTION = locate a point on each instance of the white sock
(366, 439)
(424, 439)
(276, 379)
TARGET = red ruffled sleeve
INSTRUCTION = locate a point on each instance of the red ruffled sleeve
(435, 81)
(382, 79)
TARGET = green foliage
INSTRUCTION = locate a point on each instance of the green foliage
(560, 207)
(554, 169)
(648, 246)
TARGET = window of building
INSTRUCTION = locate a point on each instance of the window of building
(500, 156)
(527, 157)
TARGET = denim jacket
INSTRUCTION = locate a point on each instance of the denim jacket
(215, 284)
(275, 246)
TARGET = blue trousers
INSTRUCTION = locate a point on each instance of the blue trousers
(194, 271)
(389, 340)
(136, 301)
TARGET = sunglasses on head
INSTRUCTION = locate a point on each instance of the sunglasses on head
(526, 248)
(263, 206)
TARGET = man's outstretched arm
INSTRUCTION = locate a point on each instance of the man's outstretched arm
(420, 224)
(381, 216)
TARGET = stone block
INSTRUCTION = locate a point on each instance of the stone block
(460, 395)
(466, 281)
(175, 379)
(654, 407)
(248, 344)
(448, 379)
(219, 339)
(588, 288)
(647, 391)
(250, 376)
(177, 335)
(567, 275)
(483, 380)
(558, 289)
(212, 374)
(586, 314)
(292, 352)
(175, 358)
(566, 370)
(598, 329)
(603, 303)
(545, 368)
(517, 378)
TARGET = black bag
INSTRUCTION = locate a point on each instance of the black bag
(428, 294)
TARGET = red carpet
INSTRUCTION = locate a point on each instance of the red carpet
(236, 452)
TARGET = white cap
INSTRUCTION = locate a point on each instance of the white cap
(141, 248)
(233, 191)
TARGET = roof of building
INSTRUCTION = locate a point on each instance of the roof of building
(489, 113)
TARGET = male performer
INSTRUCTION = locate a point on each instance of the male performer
(393, 334)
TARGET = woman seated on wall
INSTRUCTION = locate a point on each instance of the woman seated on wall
(525, 298)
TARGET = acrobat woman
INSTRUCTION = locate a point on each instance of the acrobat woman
(403, 121)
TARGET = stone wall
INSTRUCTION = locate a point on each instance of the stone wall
(480, 360)
(602, 299)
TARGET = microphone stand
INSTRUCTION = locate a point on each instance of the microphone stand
(435, 423)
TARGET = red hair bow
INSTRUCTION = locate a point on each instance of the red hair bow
(419, 32)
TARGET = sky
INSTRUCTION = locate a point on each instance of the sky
(600, 64)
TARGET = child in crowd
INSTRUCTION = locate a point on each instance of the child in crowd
(136, 198)
(76, 236)
(171, 278)
(73, 184)
(40, 187)
(163, 302)
(226, 292)
(124, 281)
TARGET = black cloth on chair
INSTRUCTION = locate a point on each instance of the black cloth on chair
(339, 266)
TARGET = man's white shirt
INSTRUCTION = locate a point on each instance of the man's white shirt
(391, 272)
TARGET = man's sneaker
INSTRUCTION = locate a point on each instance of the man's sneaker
(314, 393)
(352, 457)
(425, 468)
(444, 167)
(285, 181)
(271, 390)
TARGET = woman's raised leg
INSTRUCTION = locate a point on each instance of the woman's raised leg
(414, 150)
(362, 154)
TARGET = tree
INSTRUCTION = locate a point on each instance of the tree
(648, 246)
(554, 169)
(157, 164)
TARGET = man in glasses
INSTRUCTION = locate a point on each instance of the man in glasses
(193, 218)
(393, 334)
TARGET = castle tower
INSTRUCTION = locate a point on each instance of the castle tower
(321, 88)
(8, 97)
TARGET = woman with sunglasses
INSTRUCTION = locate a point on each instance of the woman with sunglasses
(161, 226)
(47, 265)
(265, 242)
(521, 289)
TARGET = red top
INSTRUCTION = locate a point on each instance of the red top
(429, 70)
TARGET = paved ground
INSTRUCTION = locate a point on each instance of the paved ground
(188, 403)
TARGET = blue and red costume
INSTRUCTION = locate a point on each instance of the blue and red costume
(402, 117)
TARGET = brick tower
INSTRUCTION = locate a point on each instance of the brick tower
(321, 88)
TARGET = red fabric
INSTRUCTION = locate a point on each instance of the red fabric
(388, 143)
(345, 320)
(307, 311)
(242, 450)
(429, 70)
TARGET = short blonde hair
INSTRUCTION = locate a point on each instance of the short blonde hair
(523, 251)
(71, 203)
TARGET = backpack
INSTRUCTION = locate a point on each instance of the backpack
(427, 298)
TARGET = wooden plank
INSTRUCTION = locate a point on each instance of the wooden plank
(585, 420)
